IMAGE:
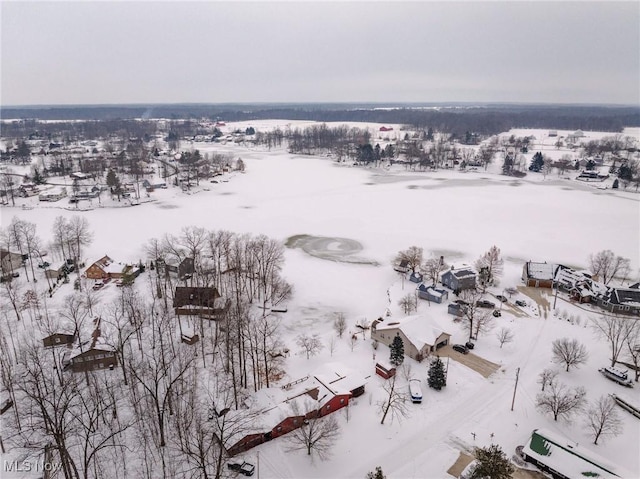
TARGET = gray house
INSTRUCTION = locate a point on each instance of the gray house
(431, 293)
(459, 279)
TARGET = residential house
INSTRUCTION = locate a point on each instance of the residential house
(578, 284)
(432, 293)
(539, 275)
(56, 271)
(184, 267)
(106, 268)
(460, 278)
(54, 194)
(98, 357)
(421, 335)
(621, 300)
(200, 301)
(281, 410)
(9, 262)
(58, 339)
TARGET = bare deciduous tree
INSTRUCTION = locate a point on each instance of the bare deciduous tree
(633, 348)
(505, 335)
(433, 267)
(340, 324)
(394, 402)
(570, 352)
(601, 418)
(560, 400)
(318, 435)
(412, 255)
(547, 377)
(477, 319)
(615, 330)
(490, 265)
(607, 265)
(408, 303)
(311, 345)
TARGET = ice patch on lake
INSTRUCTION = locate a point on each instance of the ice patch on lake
(330, 248)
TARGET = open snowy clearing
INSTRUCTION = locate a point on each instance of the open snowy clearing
(376, 213)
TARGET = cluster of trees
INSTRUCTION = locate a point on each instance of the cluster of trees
(600, 417)
(159, 407)
(488, 120)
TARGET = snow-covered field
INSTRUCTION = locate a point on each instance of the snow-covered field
(456, 214)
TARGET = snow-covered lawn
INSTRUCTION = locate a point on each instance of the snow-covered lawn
(458, 215)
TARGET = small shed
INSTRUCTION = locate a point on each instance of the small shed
(402, 266)
(416, 277)
(431, 293)
(385, 370)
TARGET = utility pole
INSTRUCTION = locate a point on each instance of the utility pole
(515, 388)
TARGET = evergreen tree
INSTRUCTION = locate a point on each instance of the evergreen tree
(625, 173)
(437, 379)
(377, 474)
(537, 162)
(397, 351)
(38, 179)
(615, 184)
(493, 463)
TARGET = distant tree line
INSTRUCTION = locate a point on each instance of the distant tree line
(458, 120)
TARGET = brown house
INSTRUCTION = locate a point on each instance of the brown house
(9, 262)
(420, 335)
(99, 269)
(200, 301)
(58, 339)
(539, 275)
(106, 268)
(93, 359)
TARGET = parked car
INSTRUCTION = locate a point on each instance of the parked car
(496, 313)
(501, 298)
(98, 285)
(521, 303)
(243, 467)
(461, 348)
(461, 302)
(44, 264)
(483, 303)
(469, 345)
(415, 390)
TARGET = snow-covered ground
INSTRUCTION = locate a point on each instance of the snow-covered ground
(456, 214)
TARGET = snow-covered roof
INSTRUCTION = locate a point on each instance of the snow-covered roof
(339, 378)
(419, 329)
(568, 458)
(541, 270)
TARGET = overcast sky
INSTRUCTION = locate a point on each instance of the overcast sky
(170, 52)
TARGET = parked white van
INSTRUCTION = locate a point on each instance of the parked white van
(415, 390)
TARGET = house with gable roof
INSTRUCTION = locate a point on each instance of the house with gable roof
(279, 411)
(539, 275)
(105, 268)
(459, 278)
(421, 335)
